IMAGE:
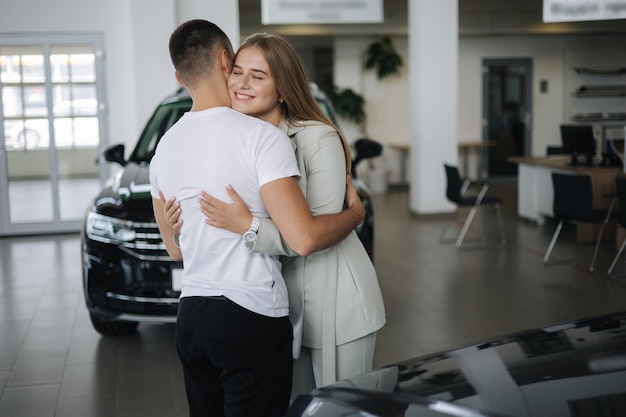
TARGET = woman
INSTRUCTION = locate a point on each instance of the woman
(335, 302)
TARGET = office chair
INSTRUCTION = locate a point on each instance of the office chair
(365, 148)
(620, 182)
(573, 203)
(456, 193)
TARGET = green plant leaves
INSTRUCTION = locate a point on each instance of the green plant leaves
(382, 57)
(348, 104)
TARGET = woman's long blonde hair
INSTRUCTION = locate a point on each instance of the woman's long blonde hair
(291, 83)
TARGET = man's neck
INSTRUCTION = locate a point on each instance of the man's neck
(209, 96)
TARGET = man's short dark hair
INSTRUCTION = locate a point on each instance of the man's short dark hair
(194, 48)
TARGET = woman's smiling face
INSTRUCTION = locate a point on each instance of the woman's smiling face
(251, 86)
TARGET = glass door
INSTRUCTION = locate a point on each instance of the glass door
(507, 101)
(52, 118)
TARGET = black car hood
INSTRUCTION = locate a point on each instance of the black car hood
(127, 195)
(564, 370)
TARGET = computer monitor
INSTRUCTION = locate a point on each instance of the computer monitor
(578, 140)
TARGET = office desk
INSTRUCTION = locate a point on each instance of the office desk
(464, 148)
(535, 194)
(404, 149)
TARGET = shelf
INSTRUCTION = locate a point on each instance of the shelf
(601, 70)
(598, 94)
(599, 117)
(601, 91)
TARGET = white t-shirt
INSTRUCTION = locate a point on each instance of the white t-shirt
(205, 151)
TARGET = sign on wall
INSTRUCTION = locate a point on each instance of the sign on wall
(281, 12)
(580, 10)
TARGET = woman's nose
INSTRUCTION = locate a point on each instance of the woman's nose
(243, 81)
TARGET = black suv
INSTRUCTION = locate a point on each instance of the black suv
(128, 276)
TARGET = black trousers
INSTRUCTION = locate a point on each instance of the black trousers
(236, 363)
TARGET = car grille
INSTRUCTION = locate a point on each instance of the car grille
(148, 245)
(140, 305)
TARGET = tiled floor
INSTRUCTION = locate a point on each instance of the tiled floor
(52, 363)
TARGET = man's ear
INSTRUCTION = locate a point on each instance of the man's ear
(225, 62)
(179, 80)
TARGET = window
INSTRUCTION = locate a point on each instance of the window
(39, 93)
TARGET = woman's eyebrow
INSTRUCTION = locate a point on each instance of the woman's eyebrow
(252, 69)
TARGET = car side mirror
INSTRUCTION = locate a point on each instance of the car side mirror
(115, 154)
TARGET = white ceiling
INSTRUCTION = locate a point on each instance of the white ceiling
(476, 17)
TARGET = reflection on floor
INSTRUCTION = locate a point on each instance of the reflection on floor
(53, 364)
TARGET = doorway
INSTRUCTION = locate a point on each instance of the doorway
(52, 125)
(506, 114)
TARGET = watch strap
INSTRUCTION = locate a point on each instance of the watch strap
(254, 225)
(250, 235)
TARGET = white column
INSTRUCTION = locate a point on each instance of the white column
(223, 13)
(433, 67)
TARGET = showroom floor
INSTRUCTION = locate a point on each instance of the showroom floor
(52, 363)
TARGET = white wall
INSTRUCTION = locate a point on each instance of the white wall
(387, 101)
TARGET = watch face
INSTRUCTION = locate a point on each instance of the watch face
(249, 236)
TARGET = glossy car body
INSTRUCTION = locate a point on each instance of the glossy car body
(573, 369)
(128, 278)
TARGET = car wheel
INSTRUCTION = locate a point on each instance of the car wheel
(113, 328)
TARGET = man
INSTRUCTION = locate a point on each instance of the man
(233, 334)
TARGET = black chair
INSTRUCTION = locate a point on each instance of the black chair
(620, 182)
(456, 192)
(365, 148)
(573, 203)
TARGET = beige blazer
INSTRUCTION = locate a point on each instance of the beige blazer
(334, 296)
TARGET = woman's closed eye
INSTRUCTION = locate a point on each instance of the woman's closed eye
(254, 76)
(258, 75)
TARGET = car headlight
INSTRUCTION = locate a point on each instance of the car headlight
(108, 229)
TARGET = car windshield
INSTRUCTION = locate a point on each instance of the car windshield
(162, 119)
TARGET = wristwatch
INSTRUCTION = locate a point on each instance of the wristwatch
(250, 235)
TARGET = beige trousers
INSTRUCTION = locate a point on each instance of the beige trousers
(353, 358)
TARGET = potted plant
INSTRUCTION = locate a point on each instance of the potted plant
(383, 57)
(348, 104)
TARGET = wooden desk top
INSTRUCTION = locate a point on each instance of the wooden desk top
(400, 146)
(405, 147)
(475, 144)
(560, 162)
